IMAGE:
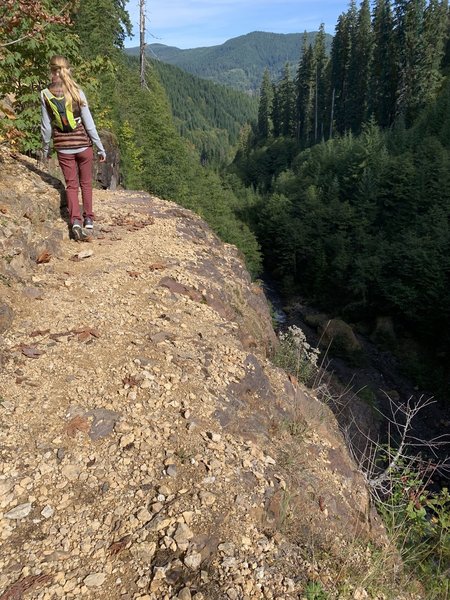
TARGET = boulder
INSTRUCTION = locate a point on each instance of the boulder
(340, 336)
(107, 173)
(384, 332)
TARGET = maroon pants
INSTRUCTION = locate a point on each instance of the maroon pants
(77, 171)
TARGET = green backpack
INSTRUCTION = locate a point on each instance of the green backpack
(61, 112)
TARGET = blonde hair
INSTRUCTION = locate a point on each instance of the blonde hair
(60, 66)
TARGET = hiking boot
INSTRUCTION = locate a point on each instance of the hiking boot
(77, 232)
(88, 223)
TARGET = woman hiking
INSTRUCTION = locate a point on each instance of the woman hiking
(65, 117)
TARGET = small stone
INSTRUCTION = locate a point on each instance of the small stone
(5, 487)
(143, 515)
(84, 254)
(126, 440)
(188, 515)
(207, 498)
(185, 594)
(144, 552)
(183, 534)
(60, 454)
(193, 561)
(171, 471)
(70, 585)
(6, 317)
(214, 437)
(72, 472)
(227, 548)
(33, 293)
(95, 580)
(19, 512)
(47, 512)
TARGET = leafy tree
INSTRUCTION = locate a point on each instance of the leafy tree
(31, 33)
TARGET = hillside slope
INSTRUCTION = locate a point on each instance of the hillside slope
(209, 115)
(240, 61)
(150, 449)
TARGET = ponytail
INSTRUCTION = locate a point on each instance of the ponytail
(60, 67)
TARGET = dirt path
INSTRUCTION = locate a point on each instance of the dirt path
(109, 453)
(149, 449)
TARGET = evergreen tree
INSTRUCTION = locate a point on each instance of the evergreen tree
(340, 62)
(383, 82)
(320, 84)
(305, 84)
(265, 106)
(409, 26)
(435, 38)
(359, 68)
(102, 26)
(286, 94)
(276, 111)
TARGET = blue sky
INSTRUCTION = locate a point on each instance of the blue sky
(195, 23)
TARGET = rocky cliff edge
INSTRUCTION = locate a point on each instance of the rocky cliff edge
(150, 449)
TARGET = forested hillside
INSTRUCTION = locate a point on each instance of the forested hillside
(209, 115)
(240, 61)
(359, 224)
(154, 157)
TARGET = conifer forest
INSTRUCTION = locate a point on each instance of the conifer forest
(350, 159)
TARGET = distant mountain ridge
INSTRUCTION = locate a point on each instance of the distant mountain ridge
(240, 61)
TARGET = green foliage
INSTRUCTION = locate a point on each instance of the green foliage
(382, 68)
(315, 591)
(360, 224)
(265, 106)
(25, 51)
(102, 26)
(418, 521)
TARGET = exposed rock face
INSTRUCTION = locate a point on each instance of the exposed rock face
(107, 173)
(30, 216)
(150, 448)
